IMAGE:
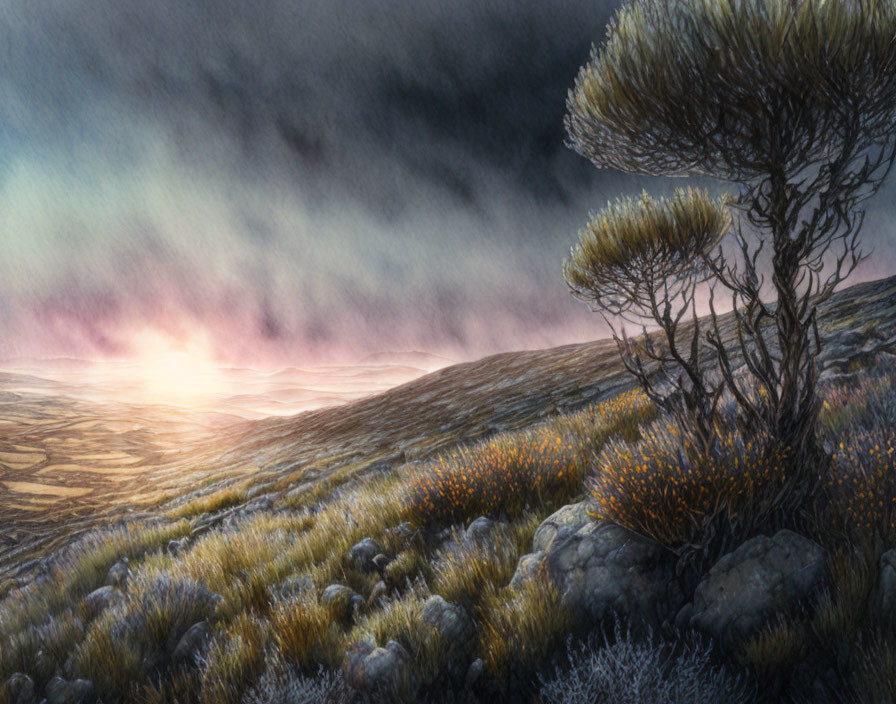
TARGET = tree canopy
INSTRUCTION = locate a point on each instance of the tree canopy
(729, 87)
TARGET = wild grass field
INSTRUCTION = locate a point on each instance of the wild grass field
(299, 559)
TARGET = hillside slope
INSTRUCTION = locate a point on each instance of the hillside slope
(319, 450)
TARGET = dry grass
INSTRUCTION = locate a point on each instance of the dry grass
(305, 634)
(521, 628)
(471, 572)
(234, 660)
(209, 503)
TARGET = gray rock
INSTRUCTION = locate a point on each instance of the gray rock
(385, 672)
(480, 530)
(527, 567)
(474, 672)
(404, 532)
(101, 599)
(295, 586)
(361, 555)
(60, 691)
(605, 571)
(118, 574)
(20, 690)
(884, 594)
(560, 525)
(358, 604)
(451, 621)
(749, 587)
(191, 643)
(338, 600)
(377, 594)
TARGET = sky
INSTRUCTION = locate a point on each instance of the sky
(288, 183)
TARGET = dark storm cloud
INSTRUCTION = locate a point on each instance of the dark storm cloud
(351, 96)
(292, 178)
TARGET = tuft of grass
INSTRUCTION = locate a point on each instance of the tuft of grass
(234, 660)
(408, 566)
(874, 679)
(281, 684)
(521, 629)
(512, 471)
(777, 649)
(209, 503)
(663, 488)
(470, 572)
(304, 633)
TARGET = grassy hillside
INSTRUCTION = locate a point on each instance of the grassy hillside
(256, 558)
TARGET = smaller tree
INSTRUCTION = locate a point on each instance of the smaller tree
(641, 261)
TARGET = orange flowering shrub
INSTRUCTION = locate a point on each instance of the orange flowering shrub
(661, 488)
(858, 421)
(861, 486)
(507, 473)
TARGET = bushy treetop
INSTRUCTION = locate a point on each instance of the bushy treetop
(636, 241)
(732, 88)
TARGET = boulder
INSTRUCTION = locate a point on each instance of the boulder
(457, 634)
(191, 643)
(748, 588)
(451, 621)
(474, 673)
(101, 599)
(361, 555)
(377, 594)
(295, 586)
(605, 571)
(19, 689)
(404, 532)
(480, 530)
(382, 672)
(560, 525)
(527, 567)
(118, 574)
(338, 600)
(884, 594)
(60, 691)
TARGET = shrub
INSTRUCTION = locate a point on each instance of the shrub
(282, 685)
(664, 488)
(866, 402)
(626, 671)
(861, 487)
(507, 473)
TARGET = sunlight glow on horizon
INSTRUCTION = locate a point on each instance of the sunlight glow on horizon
(180, 372)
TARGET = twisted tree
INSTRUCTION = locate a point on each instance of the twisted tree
(793, 103)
